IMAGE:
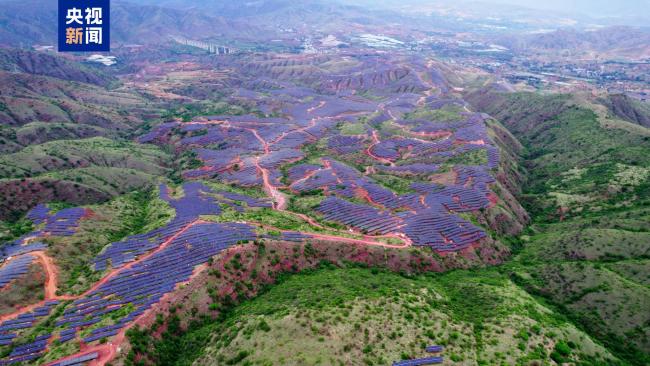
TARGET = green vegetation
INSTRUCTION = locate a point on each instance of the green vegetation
(449, 113)
(26, 289)
(267, 217)
(354, 316)
(69, 154)
(475, 157)
(264, 216)
(130, 214)
(112, 180)
(306, 202)
(187, 112)
(588, 194)
(77, 171)
(248, 191)
(13, 230)
(352, 129)
(37, 108)
(396, 184)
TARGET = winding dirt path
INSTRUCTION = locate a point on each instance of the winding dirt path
(50, 286)
(375, 142)
(140, 259)
(51, 275)
(108, 351)
(280, 201)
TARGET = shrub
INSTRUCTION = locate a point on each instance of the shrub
(562, 348)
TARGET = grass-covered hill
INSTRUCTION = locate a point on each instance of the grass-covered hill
(628, 109)
(575, 292)
(65, 134)
(45, 97)
(578, 159)
(373, 317)
(27, 100)
(77, 171)
(355, 315)
(589, 194)
(45, 64)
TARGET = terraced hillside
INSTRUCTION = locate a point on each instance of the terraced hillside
(575, 292)
(351, 207)
(354, 164)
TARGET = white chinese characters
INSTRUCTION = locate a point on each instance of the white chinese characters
(74, 16)
(93, 16)
(94, 35)
(79, 32)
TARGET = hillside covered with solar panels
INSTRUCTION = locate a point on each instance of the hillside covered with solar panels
(333, 201)
(360, 157)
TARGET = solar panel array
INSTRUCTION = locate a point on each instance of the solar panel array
(345, 144)
(393, 148)
(38, 214)
(249, 201)
(437, 225)
(22, 245)
(301, 171)
(426, 360)
(28, 351)
(78, 360)
(214, 161)
(159, 132)
(62, 223)
(14, 269)
(441, 230)
(420, 361)
(230, 147)
(143, 284)
(197, 200)
(434, 349)
(445, 232)
(279, 157)
(363, 217)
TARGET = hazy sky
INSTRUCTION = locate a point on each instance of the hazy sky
(598, 8)
(594, 8)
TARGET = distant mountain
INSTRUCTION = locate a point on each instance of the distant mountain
(151, 24)
(37, 108)
(34, 22)
(621, 41)
(234, 10)
(628, 109)
(594, 8)
(39, 63)
(273, 14)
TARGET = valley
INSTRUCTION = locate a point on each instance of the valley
(340, 187)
